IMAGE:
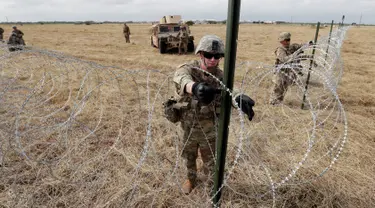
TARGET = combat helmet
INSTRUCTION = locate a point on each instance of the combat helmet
(211, 44)
(284, 36)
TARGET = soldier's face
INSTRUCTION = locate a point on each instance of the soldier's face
(285, 42)
(211, 60)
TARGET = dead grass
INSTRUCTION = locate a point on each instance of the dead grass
(94, 160)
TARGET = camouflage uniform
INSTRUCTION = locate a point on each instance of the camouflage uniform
(198, 110)
(287, 75)
(1, 34)
(184, 40)
(197, 120)
(126, 32)
(16, 41)
(19, 35)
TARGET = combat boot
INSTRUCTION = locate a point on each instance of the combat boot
(187, 187)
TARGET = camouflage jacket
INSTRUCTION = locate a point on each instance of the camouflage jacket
(126, 30)
(195, 110)
(295, 47)
(18, 32)
(283, 55)
(287, 56)
(1, 30)
(184, 36)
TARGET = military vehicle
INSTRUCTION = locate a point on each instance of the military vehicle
(164, 34)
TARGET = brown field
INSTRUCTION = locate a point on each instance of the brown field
(100, 167)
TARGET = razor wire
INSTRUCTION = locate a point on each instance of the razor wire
(95, 127)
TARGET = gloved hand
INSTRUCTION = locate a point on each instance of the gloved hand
(311, 42)
(204, 92)
(246, 104)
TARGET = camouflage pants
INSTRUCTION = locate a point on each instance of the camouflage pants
(15, 43)
(182, 46)
(282, 80)
(203, 137)
(127, 38)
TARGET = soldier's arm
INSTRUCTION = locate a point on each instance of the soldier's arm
(183, 81)
(282, 57)
(299, 45)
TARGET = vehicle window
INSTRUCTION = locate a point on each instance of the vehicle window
(164, 29)
(176, 29)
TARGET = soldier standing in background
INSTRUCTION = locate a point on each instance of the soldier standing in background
(184, 40)
(126, 32)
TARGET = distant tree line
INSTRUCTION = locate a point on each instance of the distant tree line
(190, 22)
(88, 22)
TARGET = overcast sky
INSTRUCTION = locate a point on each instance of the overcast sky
(153, 10)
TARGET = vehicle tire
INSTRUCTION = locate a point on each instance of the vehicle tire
(162, 47)
(190, 46)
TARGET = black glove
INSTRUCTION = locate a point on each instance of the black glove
(311, 42)
(246, 104)
(204, 92)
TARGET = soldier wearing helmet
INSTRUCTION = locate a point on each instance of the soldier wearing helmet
(288, 57)
(184, 40)
(200, 93)
(18, 32)
(16, 41)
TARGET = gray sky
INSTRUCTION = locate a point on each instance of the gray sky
(153, 10)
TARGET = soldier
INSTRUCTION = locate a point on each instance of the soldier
(184, 39)
(201, 94)
(290, 63)
(16, 41)
(126, 32)
(1, 34)
(19, 36)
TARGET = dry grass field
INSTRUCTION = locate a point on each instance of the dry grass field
(104, 168)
